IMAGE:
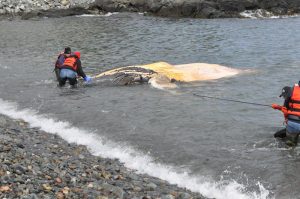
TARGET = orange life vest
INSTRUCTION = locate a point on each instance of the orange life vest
(70, 61)
(294, 103)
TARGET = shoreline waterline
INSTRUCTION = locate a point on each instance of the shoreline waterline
(141, 164)
(38, 164)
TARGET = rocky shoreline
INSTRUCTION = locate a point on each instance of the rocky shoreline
(27, 9)
(35, 164)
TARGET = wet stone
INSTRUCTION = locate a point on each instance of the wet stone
(116, 190)
(169, 196)
(133, 176)
(151, 186)
(19, 169)
(4, 138)
(184, 196)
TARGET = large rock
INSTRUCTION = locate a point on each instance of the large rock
(199, 8)
(165, 8)
(55, 13)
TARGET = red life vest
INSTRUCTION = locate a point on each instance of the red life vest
(70, 61)
(294, 103)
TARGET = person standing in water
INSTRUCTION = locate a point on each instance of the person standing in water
(60, 60)
(291, 112)
(70, 68)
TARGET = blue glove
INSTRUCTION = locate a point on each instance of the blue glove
(88, 79)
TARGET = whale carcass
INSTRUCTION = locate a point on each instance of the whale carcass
(166, 74)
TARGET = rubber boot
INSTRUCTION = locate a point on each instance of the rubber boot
(292, 139)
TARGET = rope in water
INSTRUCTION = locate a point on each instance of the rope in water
(231, 100)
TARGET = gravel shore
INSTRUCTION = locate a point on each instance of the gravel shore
(35, 164)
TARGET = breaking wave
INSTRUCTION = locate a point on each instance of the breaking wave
(261, 13)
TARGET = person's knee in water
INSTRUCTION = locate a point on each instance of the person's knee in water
(293, 131)
(280, 134)
(72, 81)
(291, 112)
(62, 81)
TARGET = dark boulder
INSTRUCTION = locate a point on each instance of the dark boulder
(236, 5)
(55, 13)
(199, 8)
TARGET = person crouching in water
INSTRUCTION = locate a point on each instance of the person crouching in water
(70, 69)
(60, 61)
(291, 112)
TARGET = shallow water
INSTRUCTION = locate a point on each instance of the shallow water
(227, 148)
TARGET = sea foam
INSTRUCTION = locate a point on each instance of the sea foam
(261, 14)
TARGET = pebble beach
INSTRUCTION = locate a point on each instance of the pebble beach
(35, 164)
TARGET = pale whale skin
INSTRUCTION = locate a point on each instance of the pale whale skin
(165, 74)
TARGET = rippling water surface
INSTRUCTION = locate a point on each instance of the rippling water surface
(226, 149)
